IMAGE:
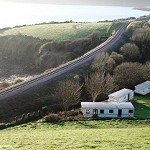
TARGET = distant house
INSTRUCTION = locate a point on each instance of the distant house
(107, 109)
(143, 88)
(123, 95)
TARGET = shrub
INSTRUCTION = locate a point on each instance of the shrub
(2, 126)
(146, 72)
(118, 58)
(44, 110)
(52, 118)
(61, 114)
(18, 81)
(16, 119)
(28, 116)
(79, 117)
(4, 85)
(34, 114)
(127, 75)
(39, 113)
(72, 113)
(130, 52)
(23, 116)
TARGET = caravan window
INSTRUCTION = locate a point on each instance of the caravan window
(111, 111)
(87, 111)
(102, 111)
(130, 111)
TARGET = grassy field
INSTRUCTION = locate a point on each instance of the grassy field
(142, 106)
(63, 31)
(80, 135)
(77, 135)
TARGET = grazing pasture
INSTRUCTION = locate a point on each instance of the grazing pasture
(76, 135)
(62, 31)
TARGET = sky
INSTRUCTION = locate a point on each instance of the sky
(129, 3)
(37, 11)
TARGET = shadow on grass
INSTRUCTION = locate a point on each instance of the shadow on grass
(76, 123)
(141, 110)
(59, 123)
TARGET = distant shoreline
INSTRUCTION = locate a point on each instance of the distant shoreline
(143, 8)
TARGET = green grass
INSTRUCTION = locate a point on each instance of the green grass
(78, 135)
(142, 106)
(63, 31)
(115, 26)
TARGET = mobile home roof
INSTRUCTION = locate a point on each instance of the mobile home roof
(144, 84)
(121, 93)
(105, 105)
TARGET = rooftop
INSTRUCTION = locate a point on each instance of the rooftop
(121, 93)
(146, 83)
(104, 105)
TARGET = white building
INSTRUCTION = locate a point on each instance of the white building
(107, 109)
(143, 88)
(123, 95)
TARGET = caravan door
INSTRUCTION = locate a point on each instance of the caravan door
(119, 113)
(95, 113)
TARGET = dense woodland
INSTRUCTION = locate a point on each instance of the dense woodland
(27, 55)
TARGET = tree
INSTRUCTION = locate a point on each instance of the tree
(68, 92)
(95, 39)
(100, 62)
(127, 75)
(111, 64)
(130, 52)
(141, 37)
(118, 58)
(146, 72)
(97, 83)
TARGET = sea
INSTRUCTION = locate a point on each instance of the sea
(15, 14)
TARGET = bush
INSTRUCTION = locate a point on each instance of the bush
(130, 52)
(52, 118)
(2, 126)
(23, 117)
(118, 58)
(127, 75)
(44, 110)
(146, 72)
(79, 117)
(72, 113)
(4, 85)
(18, 81)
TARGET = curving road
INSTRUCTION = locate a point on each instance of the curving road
(45, 77)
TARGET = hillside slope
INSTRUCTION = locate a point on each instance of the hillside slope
(33, 49)
(104, 135)
(59, 31)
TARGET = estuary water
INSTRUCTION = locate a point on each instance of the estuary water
(12, 14)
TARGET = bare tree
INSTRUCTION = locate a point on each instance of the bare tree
(146, 71)
(97, 83)
(68, 92)
(100, 62)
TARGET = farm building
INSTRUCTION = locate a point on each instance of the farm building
(107, 109)
(123, 95)
(143, 88)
